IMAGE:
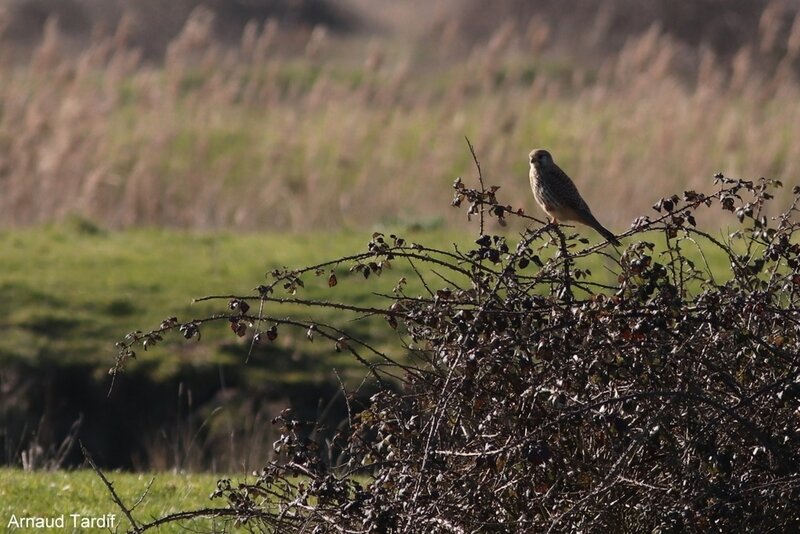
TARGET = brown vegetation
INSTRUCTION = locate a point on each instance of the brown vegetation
(298, 127)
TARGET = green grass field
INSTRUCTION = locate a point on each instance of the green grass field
(52, 494)
(73, 291)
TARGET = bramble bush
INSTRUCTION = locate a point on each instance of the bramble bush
(533, 396)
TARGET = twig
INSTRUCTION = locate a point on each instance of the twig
(194, 514)
(110, 486)
(419, 275)
(258, 331)
(144, 494)
(480, 180)
(567, 262)
(346, 401)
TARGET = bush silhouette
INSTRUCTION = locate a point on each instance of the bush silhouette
(536, 397)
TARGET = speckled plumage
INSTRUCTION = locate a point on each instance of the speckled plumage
(557, 195)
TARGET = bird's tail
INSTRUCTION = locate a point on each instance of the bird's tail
(607, 234)
(594, 223)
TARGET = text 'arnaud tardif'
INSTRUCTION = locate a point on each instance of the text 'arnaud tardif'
(62, 521)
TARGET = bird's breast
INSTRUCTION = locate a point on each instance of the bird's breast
(542, 192)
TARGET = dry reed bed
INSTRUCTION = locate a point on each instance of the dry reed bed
(353, 133)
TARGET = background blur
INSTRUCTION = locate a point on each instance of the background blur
(297, 114)
(304, 117)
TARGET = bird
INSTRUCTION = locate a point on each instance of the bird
(555, 192)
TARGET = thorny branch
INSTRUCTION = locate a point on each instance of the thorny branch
(534, 395)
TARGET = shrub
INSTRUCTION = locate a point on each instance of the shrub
(534, 396)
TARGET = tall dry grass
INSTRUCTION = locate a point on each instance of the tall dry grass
(358, 131)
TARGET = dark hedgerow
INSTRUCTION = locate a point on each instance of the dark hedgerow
(534, 397)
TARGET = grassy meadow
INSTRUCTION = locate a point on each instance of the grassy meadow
(89, 287)
(82, 492)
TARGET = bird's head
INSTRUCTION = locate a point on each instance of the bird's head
(540, 157)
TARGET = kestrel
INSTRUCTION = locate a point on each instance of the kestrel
(558, 196)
